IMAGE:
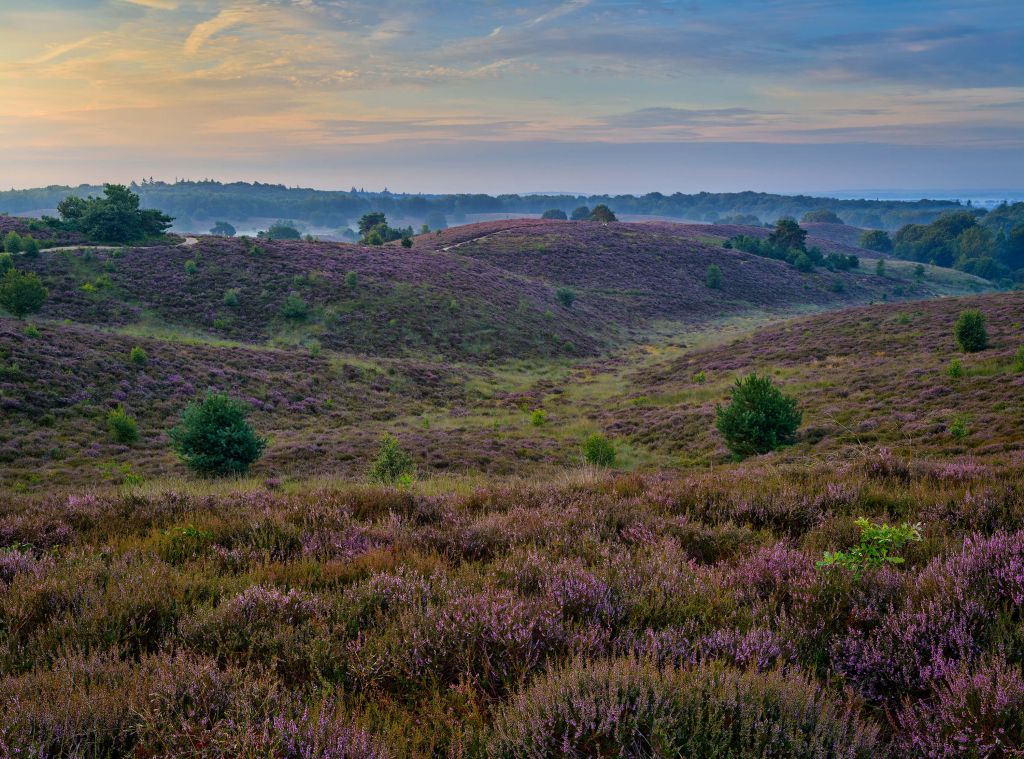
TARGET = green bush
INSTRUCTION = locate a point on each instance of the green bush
(713, 277)
(803, 263)
(1018, 360)
(12, 243)
(877, 240)
(539, 417)
(351, 280)
(191, 267)
(566, 296)
(21, 294)
(294, 307)
(138, 356)
(598, 450)
(700, 377)
(30, 247)
(759, 418)
(392, 465)
(880, 267)
(970, 332)
(406, 241)
(878, 544)
(955, 369)
(231, 297)
(215, 439)
(958, 429)
(837, 286)
(123, 428)
(635, 708)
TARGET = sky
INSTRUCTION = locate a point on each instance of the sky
(491, 96)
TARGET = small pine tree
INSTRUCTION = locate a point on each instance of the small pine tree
(21, 293)
(759, 418)
(406, 241)
(598, 450)
(123, 428)
(392, 464)
(12, 243)
(214, 437)
(970, 332)
(294, 307)
(30, 247)
(138, 356)
(713, 277)
(880, 267)
(351, 280)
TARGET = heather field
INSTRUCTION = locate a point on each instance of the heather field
(506, 598)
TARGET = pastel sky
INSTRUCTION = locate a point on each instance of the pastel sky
(495, 96)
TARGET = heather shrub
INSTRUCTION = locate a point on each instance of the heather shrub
(137, 356)
(713, 277)
(261, 625)
(970, 332)
(630, 707)
(566, 296)
(21, 294)
(878, 546)
(759, 418)
(122, 426)
(215, 439)
(598, 450)
(975, 711)
(393, 464)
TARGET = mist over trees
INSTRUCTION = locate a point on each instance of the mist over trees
(211, 201)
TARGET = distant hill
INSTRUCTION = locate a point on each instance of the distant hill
(477, 292)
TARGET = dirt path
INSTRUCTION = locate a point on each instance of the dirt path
(471, 239)
(188, 243)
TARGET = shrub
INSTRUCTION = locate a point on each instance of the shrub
(970, 332)
(6, 263)
(393, 464)
(1018, 360)
(539, 417)
(919, 272)
(700, 377)
(137, 356)
(231, 297)
(191, 267)
(12, 242)
(958, 428)
(880, 267)
(294, 307)
(406, 241)
(803, 263)
(581, 213)
(566, 296)
(602, 213)
(955, 369)
(30, 247)
(598, 450)
(215, 439)
(878, 544)
(877, 240)
(631, 707)
(976, 711)
(22, 294)
(123, 428)
(223, 229)
(554, 213)
(351, 280)
(837, 286)
(759, 418)
(713, 277)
